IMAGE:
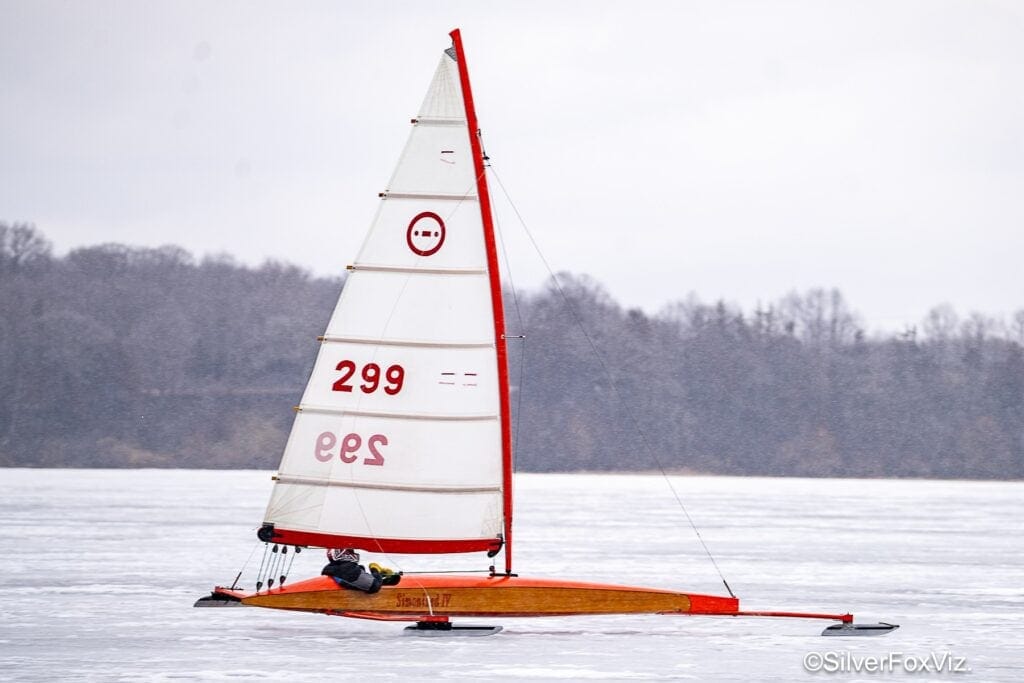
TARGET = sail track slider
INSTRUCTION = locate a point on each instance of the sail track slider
(424, 195)
(326, 338)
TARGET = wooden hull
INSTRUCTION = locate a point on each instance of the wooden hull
(438, 596)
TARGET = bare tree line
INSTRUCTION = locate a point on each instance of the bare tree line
(114, 356)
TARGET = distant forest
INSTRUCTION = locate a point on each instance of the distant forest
(116, 356)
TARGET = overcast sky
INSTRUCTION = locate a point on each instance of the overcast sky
(739, 150)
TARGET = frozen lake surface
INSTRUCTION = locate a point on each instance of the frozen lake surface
(103, 567)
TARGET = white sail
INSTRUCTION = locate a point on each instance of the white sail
(397, 444)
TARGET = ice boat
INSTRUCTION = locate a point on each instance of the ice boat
(402, 441)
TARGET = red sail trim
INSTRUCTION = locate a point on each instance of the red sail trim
(496, 303)
(385, 545)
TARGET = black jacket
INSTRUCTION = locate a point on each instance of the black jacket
(351, 575)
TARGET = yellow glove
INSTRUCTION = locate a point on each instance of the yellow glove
(383, 571)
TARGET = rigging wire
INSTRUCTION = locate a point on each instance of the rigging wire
(611, 381)
(234, 584)
(450, 571)
(496, 225)
(272, 570)
(259, 574)
(290, 563)
(283, 571)
(519, 322)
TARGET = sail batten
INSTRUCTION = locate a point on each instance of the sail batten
(399, 440)
(414, 270)
(388, 487)
(425, 195)
(424, 121)
(406, 342)
(399, 416)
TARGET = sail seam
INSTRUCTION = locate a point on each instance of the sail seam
(397, 416)
(438, 122)
(425, 195)
(405, 342)
(304, 481)
(415, 270)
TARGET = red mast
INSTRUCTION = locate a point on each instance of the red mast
(496, 304)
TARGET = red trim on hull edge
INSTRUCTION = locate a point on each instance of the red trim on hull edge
(385, 545)
(713, 604)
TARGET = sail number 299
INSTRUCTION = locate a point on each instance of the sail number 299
(394, 376)
(350, 450)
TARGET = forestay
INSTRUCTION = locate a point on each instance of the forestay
(397, 444)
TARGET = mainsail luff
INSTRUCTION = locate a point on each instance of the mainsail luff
(497, 305)
(411, 378)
